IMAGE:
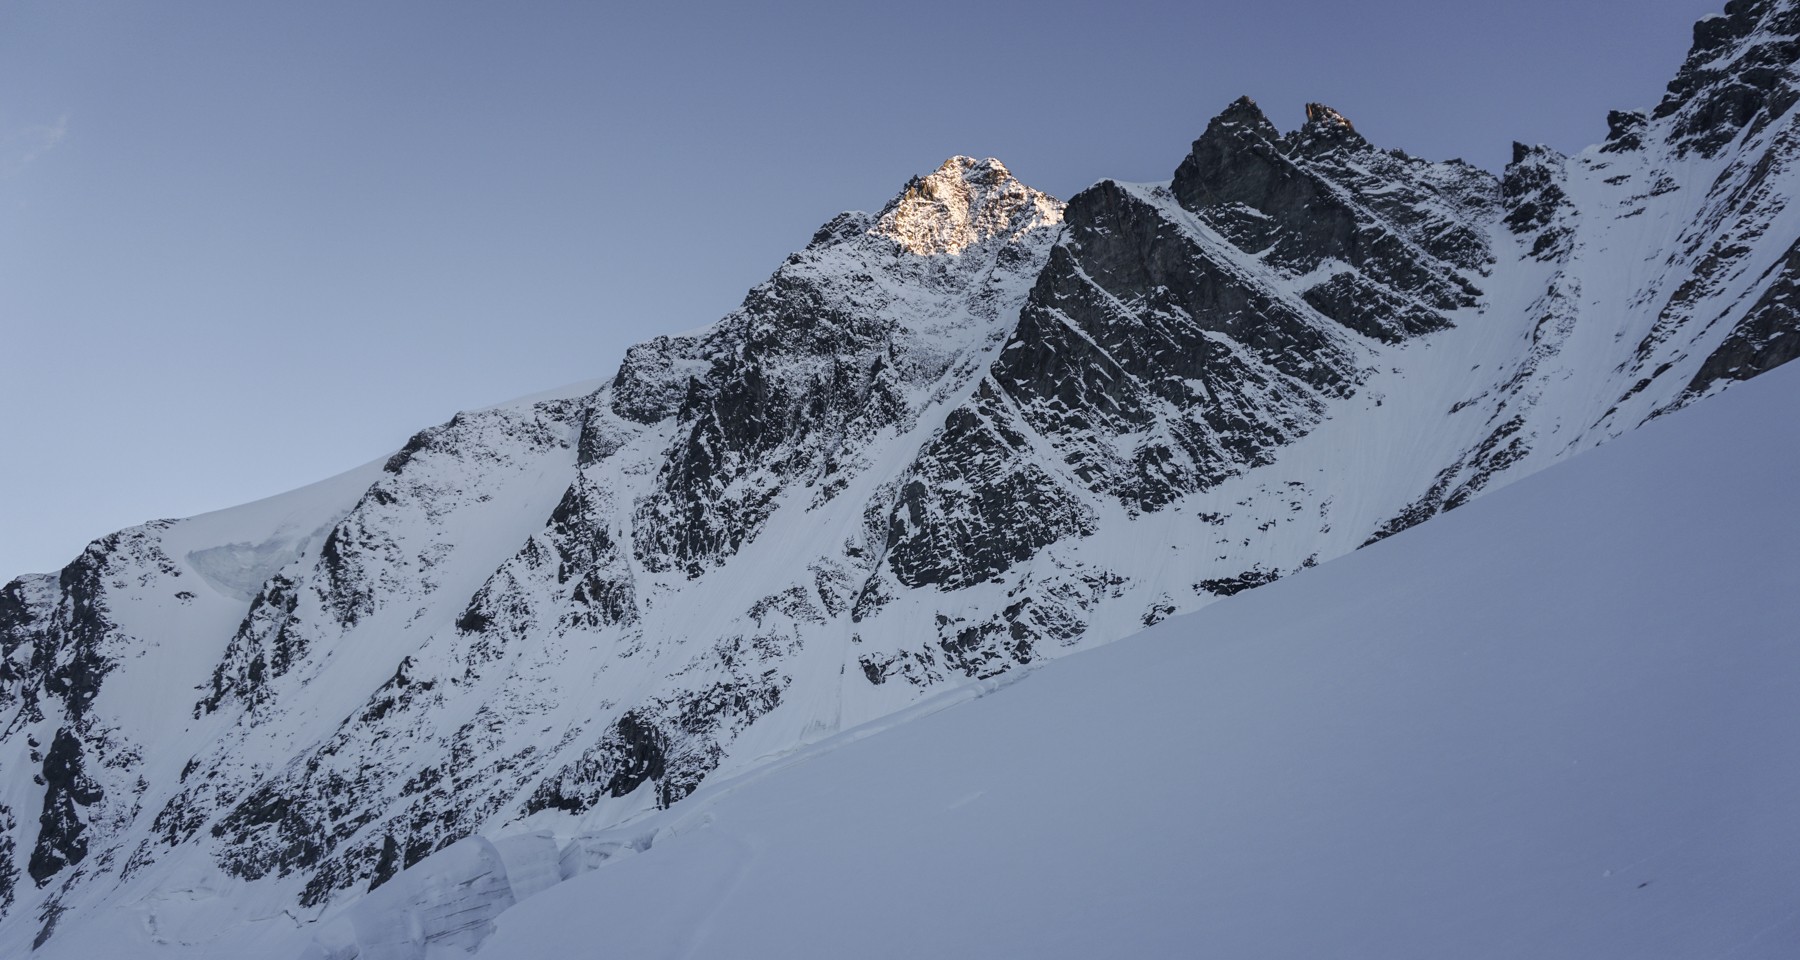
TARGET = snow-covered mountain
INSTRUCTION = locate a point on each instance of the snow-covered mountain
(1575, 740)
(976, 430)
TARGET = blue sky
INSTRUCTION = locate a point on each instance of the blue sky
(246, 246)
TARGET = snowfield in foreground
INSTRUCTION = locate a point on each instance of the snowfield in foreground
(1559, 722)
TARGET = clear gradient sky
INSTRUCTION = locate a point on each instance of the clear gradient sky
(247, 245)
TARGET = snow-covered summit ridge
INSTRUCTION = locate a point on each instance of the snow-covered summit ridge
(972, 433)
(962, 203)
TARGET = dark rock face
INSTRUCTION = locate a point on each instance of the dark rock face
(1053, 614)
(1737, 87)
(9, 874)
(75, 666)
(1134, 325)
(58, 644)
(1724, 247)
(1537, 206)
(360, 565)
(634, 754)
(1624, 131)
(990, 648)
(781, 395)
(1460, 482)
(350, 814)
(336, 821)
(1402, 227)
(818, 360)
(388, 864)
(61, 838)
(1238, 162)
(654, 378)
(669, 745)
(1050, 613)
(975, 505)
(762, 417)
(1767, 336)
(1231, 586)
(1153, 355)
(271, 615)
(1738, 76)
(26, 608)
(579, 555)
(299, 837)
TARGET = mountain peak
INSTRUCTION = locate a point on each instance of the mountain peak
(1235, 160)
(962, 203)
(1742, 73)
(1243, 113)
(1325, 130)
(948, 440)
(1320, 114)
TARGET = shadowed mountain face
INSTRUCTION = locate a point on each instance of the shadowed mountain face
(974, 430)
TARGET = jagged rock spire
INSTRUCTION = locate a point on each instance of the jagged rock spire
(964, 202)
(1325, 130)
(1322, 114)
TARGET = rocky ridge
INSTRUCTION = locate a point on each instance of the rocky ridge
(976, 429)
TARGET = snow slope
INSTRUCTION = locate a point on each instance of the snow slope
(975, 431)
(1537, 727)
